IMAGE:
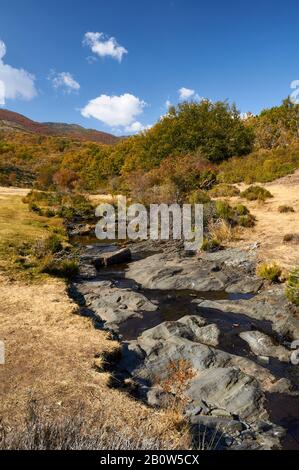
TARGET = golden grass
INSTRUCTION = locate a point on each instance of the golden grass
(53, 354)
(19, 226)
(223, 232)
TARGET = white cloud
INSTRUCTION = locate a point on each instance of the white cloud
(136, 127)
(115, 110)
(65, 81)
(168, 104)
(186, 93)
(16, 83)
(104, 46)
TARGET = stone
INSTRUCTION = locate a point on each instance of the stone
(117, 257)
(210, 272)
(262, 345)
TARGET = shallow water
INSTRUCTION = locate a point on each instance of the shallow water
(174, 305)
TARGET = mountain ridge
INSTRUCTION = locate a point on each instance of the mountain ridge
(10, 120)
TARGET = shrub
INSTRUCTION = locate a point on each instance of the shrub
(224, 190)
(198, 197)
(260, 166)
(210, 245)
(247, 221)
(256, 193)
(285, 209)
(292, 287)
(269, 272)
(238, 215)
(224, 210)
(240, 209)
(291, 238)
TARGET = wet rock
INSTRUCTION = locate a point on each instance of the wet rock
(269, 305)
(262, 345)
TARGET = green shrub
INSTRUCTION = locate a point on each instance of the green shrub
(256, 193)
(261, 166)
(246, 221)
(240, 209)
(269, 272)
(210, 245)
(285, 209)
(292, 287)
(198, 197)
(238, 215)
(224, 190)
(224, 210)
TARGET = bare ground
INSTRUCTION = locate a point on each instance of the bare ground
(272, 226)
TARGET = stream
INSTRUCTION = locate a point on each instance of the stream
(173, 305)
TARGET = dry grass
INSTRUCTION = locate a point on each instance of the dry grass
(223, 232)
(42, 430)
(51, 354)
(271, 226)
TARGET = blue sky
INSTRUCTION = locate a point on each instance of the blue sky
(246, 52)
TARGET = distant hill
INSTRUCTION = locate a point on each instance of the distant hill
(13, 121)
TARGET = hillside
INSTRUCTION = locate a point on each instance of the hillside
(12, 121)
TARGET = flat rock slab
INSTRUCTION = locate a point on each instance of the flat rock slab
(117, 257)
(231, 271)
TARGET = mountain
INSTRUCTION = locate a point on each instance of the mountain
(12, 121)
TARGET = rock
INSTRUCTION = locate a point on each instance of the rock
(218, 386)
(190, 327)
(269, 305)
(210, 272)
(116, 257)
(81, 230)
(281, 386)
(262, 345)
(228, 389)
(224, 425)
(114, 305)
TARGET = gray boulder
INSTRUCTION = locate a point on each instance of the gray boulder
(262, 345)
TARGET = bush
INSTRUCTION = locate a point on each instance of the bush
(285, 209)
(269, 272)
(210, 245)
(224, 190)
(292, 287)
(199, 197)
(291, 238)
(261, 166)
(238, 215)
(224, 210)
(240, 209)
(256, 193)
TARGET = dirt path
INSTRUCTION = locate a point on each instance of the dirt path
(272, 226)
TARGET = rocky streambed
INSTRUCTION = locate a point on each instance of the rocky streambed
(210, 313)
